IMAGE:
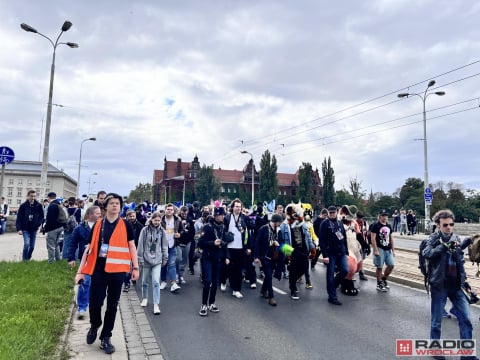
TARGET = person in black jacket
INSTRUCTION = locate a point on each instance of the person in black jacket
(446, 275)
(333, 242)
(267, 245)
(29, 218)
(131, 217)
(213, 242)
(54, 225)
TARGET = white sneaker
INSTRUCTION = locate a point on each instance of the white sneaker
(156, 309)
(253, 286)
(174, 287)
(182, 280)
(144, 303)
(223, 287)
(163, 285)
(237, 294)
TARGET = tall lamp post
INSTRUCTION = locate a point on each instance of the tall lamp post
(65, 27)
(253, 174)
(80, 165)
(428, 192)
(90, 183)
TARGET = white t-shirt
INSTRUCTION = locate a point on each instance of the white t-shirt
(237, 235)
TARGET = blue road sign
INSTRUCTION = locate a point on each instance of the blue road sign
(428, 190)
(6, 155)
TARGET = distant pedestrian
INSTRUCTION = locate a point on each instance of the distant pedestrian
(77, 244)
(447, 276)
(55, 222)
(4, 212)
(383, 250)
(30, 217)
(173, 227)
(137, 226)
(396, 220)
(110, 252)
(403, 222)
(152, 255)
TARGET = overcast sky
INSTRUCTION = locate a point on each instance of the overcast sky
(303, 79)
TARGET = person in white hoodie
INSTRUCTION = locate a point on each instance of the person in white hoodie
(152, 255)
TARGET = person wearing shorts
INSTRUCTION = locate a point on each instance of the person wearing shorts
(383, 250)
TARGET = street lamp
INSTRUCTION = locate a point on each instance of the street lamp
(181, 177)
(253, 173)
(90, 183)
(425, 157)
(80, 164)
(66, 25)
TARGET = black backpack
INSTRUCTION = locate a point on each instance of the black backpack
(423, 263)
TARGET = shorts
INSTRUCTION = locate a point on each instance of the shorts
(384, 257)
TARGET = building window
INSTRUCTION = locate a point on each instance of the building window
(9, 201)
(48, 183)
(228, 190)
(10, 191)
(20, 182)
(10, 181)
(314, 192)
(19, 202)
(293, 192)
(19, 192)
(284, 192)
(38, 182)
(29, 182)
(222, 189)
(234, 190)
(37, 190)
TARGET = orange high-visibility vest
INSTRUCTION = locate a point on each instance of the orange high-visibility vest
(118, 255)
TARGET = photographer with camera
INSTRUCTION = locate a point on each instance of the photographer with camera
(446, 275)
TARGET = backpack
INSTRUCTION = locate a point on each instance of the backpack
(71, 222)
(474, 251)
(62, 216)
(423, 263)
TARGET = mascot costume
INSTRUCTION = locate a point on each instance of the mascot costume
(355, 243)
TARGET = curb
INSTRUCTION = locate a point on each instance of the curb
(139, 337)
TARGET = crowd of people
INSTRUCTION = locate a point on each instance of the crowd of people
(233, 246)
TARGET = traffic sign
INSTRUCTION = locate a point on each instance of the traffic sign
(6, 155)
(428, 190)
(428, 201)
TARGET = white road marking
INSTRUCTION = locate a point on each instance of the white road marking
(277, 290)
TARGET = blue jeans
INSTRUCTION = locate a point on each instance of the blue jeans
(170, 267)
(334, 280)
(3, 226)
(66, 243)
(154, 272)
(267, 286)
(459, 302)
(29, 238)
(83, 294)
(182, 258)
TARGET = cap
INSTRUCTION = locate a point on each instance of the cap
(276, 218)
(332, 209)
(383, 212)
(219, 211)
(324, 211)
(52, 195)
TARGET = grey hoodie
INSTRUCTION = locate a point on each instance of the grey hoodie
(152, 246)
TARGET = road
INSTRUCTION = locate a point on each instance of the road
(365, 326)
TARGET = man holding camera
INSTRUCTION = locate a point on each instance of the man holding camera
(446, 276)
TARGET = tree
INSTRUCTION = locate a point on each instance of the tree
(343, 197)
(328, 182)
(268, 187)
(141, 193)
(305, 178)
(411, 195)
(207, 186)
(356, 188)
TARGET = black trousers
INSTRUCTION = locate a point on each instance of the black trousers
(233, 271)
(298, 267)
(105, 285)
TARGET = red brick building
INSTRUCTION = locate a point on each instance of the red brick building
(177, 179)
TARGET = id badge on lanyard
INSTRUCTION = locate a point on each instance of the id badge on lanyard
(103, 247)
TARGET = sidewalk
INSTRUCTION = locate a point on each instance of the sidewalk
(132, 337)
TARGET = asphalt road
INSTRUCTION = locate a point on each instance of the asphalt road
(365, 327)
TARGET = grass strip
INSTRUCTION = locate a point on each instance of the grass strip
(35, 299)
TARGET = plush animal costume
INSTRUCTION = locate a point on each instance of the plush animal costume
(355, 242)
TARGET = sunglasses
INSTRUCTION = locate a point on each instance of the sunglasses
(451, 225)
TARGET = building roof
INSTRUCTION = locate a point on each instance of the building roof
(33, 166)
(285, 179)
(228, 176)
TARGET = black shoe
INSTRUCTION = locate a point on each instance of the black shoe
(294, 295)
(91, 335)
(107, 346)
(126, 288)
(363, 277)
(334, 301)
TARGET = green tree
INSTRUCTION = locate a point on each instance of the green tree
(268, 187)
(305, 178)
(141, 193)
(411, 195)
(328, 182)
(207, 187)
(343, 197)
